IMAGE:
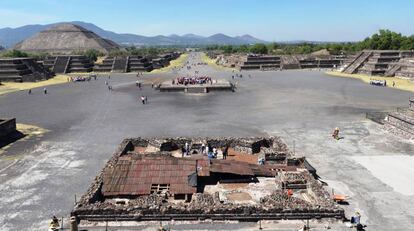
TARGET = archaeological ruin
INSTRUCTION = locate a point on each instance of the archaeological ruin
(134, 63)
(381, 63)
(66, 38)
(205, 178)
(401, 121)
(22, 70)
(7, 127)
(68, 63)
(282, 62)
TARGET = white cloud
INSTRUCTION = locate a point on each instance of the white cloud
(15, 18)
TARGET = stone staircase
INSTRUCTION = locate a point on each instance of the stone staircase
(139, 64)
(120, 64)
(392, 70)
(360, 59)
(407, 68)
(61, 64)
(79, 63)
(380, 62)
(105, 66)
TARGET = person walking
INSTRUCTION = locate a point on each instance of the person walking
(225, 153)
(142, 99)
(393, 83)
(30, 91)
(146, 100)
(45, 90)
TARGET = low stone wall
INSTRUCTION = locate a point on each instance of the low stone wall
(400, 124)
(7, 126)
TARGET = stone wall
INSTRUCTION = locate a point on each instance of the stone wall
(7, 126)
(400, 124)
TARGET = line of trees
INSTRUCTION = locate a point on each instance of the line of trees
(383, 40)
(93, 54)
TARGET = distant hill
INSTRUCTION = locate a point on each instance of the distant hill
(11, 36)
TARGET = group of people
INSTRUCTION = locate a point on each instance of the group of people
(82, 78)
(377, 82)
(382, 83)
(192, 80)
(211, 153)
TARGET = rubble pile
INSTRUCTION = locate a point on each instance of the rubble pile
(295, 178)
(280, 200)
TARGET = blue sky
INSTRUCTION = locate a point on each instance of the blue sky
(272, 20)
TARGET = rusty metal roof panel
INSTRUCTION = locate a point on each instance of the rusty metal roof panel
(135, 175)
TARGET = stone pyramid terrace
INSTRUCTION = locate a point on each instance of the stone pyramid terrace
(68, 63)
(22, 70)
(66, 38)
(377, 62)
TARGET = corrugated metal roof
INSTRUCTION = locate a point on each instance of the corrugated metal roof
(134, 175)
(239, 168)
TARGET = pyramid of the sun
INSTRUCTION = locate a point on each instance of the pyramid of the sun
(66, 38)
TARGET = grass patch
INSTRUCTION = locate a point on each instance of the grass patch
(402, 84)
(212, 62)
(179, 62)
(8, 87)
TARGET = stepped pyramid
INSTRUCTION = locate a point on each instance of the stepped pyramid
(66, 38)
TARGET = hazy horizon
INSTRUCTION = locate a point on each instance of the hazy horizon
(271, 21)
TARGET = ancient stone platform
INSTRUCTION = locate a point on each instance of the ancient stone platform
(7, 126)
(22, 70)
(175, 178)
(401, 122)
(377, 62)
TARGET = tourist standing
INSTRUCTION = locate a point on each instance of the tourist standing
(186, 148)
(203, 148)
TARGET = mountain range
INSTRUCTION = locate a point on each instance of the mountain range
(10, 36)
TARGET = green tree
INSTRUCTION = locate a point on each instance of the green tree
(15, 54)
(228, 49)
(243, 49)
(259, 48)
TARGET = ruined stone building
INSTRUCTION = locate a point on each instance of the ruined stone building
(172, 178)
